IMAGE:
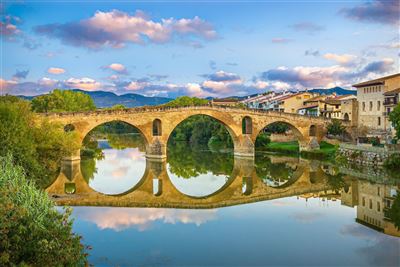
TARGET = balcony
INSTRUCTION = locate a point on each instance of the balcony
(390, 101)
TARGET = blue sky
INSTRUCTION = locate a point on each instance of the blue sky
(197, 48)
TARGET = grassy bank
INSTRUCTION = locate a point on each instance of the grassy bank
(326, 150)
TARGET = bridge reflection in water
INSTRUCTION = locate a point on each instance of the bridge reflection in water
(155, 188)
(308, 179)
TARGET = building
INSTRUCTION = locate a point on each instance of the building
(371, 97)
(349, 110)
(225, 102)
(390, 102)
(373, 200)
(332, 106)
(292, 103)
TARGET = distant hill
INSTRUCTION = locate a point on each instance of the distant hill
(104, 99)
(337, 90)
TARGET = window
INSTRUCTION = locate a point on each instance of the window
(363, 201)
(370, 105)
(247, 125)
(379, 106)
(379, 191)
(363, 106)
(378, 206)
(370, 203)
(379, 121)
(156, 127)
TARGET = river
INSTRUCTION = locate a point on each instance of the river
(203, 207)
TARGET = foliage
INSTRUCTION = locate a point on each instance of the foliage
(63, 100)
(186, 162)
(32, 231)
(277, 127)
(284, 147)
(262, 141)
(198, 130)
(394, 212)
(187, 101)
(392, 162)
(113, 127)
(38, 148)
(117, 107)
(335, 127)
(375, 141)
(268, 171)
(394, 118)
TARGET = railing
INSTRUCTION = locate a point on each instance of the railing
(390, 101)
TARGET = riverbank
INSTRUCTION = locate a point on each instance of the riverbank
(326, 150)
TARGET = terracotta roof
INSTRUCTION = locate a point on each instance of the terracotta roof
(376, 81)
(392, 92)
(332, 101)
(315, 98)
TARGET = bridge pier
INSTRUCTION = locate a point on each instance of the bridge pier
(157, 149)
(75, 155)
(244, 146)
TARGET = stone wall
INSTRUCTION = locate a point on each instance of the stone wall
(367, 155)
(287, 137)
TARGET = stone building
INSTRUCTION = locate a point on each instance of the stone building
(370, 96)
(391, 101)
(292, 103)
(349, 110)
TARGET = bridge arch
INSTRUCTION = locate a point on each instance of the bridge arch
(231, 131)
(296, 132)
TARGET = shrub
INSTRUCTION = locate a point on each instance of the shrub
(32, 231)
(262, 140)
(392, 162)
(335, 127)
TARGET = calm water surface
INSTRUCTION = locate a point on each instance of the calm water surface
(274, 211)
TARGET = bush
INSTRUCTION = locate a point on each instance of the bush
(32, 231)
(392, 162)
(335, 127)
(37, 147)
(262, 140)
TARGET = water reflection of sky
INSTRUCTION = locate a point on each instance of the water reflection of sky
(199, 186)
(119, 171)
(285, 232)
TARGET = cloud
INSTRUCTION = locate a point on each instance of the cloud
(56, 71)
(307, 217)
(20, 75)
(119, 219)
(281, 40)
(308, 27)
(117, 67)
(377, 11)
(9, 28)
(116, 28)
(324, 77)
(314, 53)
(345, 59)
(86, 84)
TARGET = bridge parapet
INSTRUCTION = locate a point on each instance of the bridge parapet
(308, 130)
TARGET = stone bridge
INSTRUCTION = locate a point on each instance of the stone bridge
(157, 123)
(155, 188)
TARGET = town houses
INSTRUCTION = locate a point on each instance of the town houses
(368, 107)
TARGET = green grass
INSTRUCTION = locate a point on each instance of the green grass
(326, 150)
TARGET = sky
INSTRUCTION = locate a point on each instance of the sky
(197, 48)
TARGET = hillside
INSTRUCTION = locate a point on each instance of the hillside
(104, 99)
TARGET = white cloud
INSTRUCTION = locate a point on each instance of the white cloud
(56, 71)
(86, 84)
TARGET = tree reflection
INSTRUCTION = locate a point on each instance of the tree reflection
(273, 174)
(188, 162)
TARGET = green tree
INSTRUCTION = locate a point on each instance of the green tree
(37, 147)
(32, 231)
(394, 118)
(183, 101)
(336, 127)
(63, 100)
(277, 127)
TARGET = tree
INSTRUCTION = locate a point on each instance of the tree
(32, 231)
(63, 100)
(183, 101)
(336, 127)
(277, 127)
(394, 118)
(37, 147)
(394, 211)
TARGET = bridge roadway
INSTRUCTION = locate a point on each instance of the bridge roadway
(156, 124)
(243, 186)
